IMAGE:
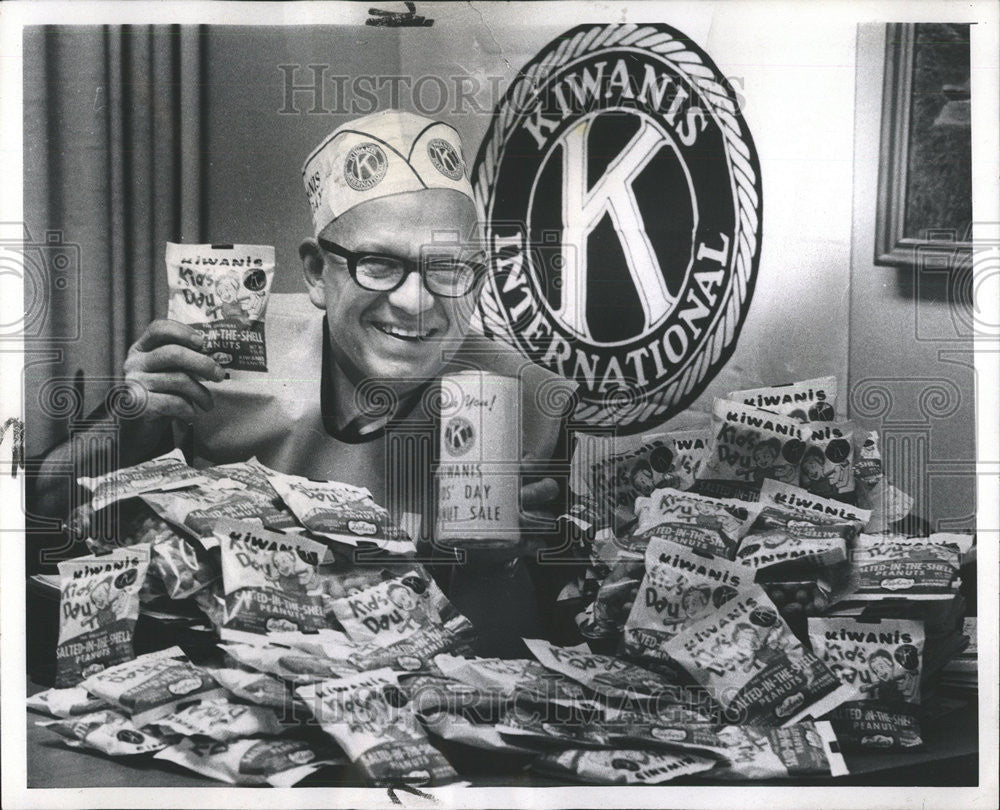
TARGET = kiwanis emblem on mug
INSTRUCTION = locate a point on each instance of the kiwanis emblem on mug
(364, 166)
(623, 205)
(459, 435)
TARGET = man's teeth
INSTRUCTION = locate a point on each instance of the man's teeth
(405, 334)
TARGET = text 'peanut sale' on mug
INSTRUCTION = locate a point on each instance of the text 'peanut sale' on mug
(478, 479)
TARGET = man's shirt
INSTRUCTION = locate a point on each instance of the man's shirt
(283, 416)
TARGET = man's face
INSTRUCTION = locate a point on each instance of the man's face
(396, 336)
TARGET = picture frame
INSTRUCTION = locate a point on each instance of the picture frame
(924, 147)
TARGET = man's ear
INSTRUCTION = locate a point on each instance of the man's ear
(312, 271)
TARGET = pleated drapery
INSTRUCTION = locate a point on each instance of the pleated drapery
(112, 171)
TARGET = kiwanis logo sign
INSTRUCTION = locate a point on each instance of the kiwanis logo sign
(623, 202)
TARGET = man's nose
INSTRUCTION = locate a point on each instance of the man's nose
(412, 295)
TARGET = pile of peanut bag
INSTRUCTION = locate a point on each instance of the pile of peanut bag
(747, 612)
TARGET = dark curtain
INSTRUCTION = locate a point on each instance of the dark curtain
(112, 168)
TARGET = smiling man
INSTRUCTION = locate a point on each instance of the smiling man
(392, 276)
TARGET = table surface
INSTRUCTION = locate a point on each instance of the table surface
(949, 757)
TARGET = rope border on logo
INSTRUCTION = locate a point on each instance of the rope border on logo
(687, 59)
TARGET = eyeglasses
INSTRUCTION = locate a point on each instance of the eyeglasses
(444, 275)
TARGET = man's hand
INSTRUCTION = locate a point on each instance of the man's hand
(167, 362)
(538, 498)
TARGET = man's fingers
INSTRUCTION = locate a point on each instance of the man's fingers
(171, 405)
(174, 357)
(539, 493)
(177, 382)
(163, 332)
(79, 521)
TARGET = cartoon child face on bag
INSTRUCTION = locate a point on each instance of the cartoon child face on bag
(103, 595)
(642, 478)
(765, 455)
(697, 602)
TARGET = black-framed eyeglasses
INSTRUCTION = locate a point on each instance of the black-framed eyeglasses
(444, 275)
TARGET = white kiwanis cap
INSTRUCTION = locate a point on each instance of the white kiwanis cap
(377, 155)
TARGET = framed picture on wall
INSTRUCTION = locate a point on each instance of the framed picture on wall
(925, 166)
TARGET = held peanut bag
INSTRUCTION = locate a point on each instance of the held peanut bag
(223, 290)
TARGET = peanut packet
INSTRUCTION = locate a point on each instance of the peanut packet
(615, 596)
(749, 752)
(238, 491)
(294, 666)
(965, 543)
(393, 609)
(613, 728)
(807, 400)
(715, 525)
(827, 465)
(429, 693)
(98, 610)
(788, 497)
(342, 512)
(627, 766)
(750, 445)
(108, 731)
(152, 685)
(163, 473)
(222, 720)
(325, 642)
(223, 291)
(279, 763)
(258, 688)
(791, 752)
(460, 729)
(270, 579)
(749, 660)
(621, 470)
(368, 717)
(882, 568)
(195, 511)
(680, 587)
(179, 568)
(606, 675)
(68, 702)
(781, 541)
(882, 659)
(415, 652)
(517, 679)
